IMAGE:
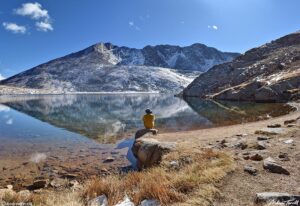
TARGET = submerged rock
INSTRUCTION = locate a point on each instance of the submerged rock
(150, 151)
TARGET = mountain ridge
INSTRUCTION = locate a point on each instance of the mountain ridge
(79, 70)
(269, 73)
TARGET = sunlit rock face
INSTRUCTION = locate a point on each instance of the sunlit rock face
(269, 73)
(105, 67)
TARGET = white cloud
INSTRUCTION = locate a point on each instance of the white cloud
(1, 77)
(214, 27)
(36, 12)
(133, 25)
(33, 10)
(44, 26)
(15, 28)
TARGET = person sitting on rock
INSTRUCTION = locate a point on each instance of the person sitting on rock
(149, 122)
(149, 119)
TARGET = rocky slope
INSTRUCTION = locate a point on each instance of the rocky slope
(109, 68)
(269, 73)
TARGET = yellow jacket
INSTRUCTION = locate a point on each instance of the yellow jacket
(149, 121)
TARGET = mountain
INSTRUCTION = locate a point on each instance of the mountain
(269, 73)
(105, 67)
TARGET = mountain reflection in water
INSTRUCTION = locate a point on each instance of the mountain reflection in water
(108, 118)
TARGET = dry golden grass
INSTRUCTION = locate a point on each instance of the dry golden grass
(47, 198)
(191, 182)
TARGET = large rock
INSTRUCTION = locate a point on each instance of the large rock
(150, 151)
(142, 132)
(287, 199)
(38, 184)
(270, 165)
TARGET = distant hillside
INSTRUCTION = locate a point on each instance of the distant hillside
(109, 68)
(269, 73)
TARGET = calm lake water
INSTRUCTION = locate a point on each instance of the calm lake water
(89, 128)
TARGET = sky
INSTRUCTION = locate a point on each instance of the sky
(34, 32)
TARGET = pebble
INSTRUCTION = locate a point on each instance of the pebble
(250, 169)
(261, 145)
(283, 157)
(256, 157)
(288, 141)
(274, 125)
(109, 159)
(263, 138)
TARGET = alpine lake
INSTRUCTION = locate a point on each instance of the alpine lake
(85, 135)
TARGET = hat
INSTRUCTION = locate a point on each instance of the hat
(148, 111)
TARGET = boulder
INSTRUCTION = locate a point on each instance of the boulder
(98, 201)
(150, 151)
(140, 133)
(38, 184)
(270, 165)
(287, 199)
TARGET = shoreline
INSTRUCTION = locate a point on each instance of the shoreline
(213, 133)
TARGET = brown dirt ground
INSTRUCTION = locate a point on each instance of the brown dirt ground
(239, 188)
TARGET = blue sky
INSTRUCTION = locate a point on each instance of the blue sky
(33, 32)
